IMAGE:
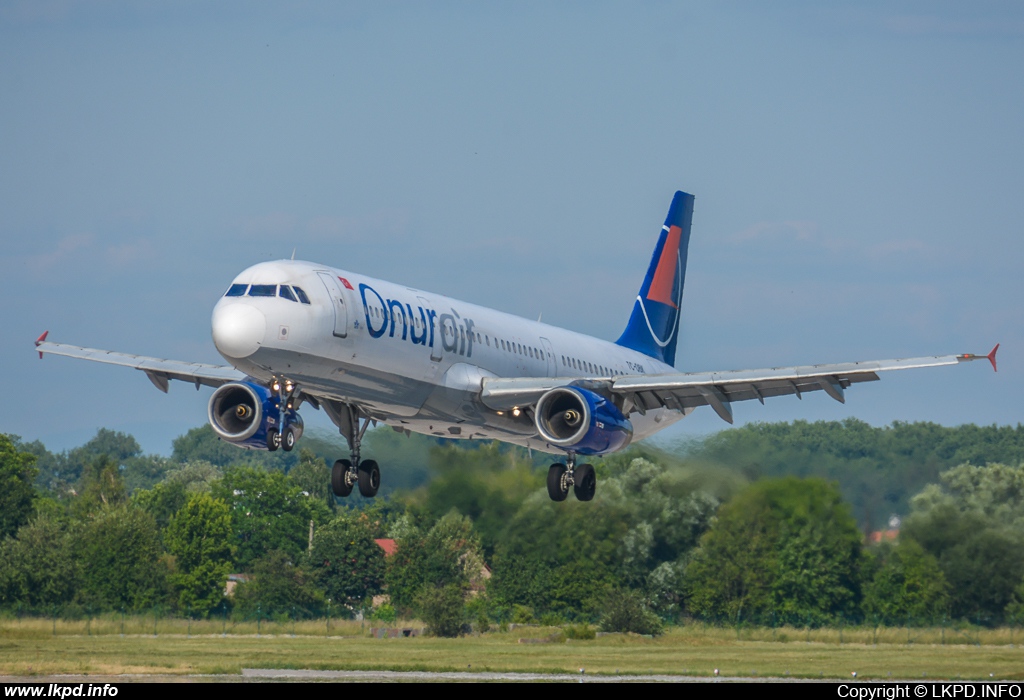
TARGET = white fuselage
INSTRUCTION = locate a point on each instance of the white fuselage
(409, 358)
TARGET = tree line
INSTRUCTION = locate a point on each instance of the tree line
(718, 529)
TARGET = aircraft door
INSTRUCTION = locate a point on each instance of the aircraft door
(550, 354)
(338, 302)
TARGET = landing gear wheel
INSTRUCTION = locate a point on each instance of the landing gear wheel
(369, 478)
(586, 482)
(273, 439)
(341, 482)
(289, 440)
(558, 482)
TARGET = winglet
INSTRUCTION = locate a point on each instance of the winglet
(42, 338)
(992, 357)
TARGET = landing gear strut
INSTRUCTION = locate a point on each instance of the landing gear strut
(581, 478)
(285, 437)
(347, 473)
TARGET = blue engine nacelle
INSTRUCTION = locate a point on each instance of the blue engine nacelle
(244, 413)
(579, 420)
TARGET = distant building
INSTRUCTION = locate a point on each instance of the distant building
(389, 546)
(890, 535)
(233, 581)
(879, 536)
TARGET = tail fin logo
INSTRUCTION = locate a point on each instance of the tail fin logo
(665, 282)
(666, 287)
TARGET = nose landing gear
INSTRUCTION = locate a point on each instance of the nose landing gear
(286, 437)
(581, 478)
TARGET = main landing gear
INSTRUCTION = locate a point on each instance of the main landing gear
(581, 478)
(347, 473)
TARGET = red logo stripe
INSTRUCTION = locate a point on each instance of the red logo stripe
(664, 278)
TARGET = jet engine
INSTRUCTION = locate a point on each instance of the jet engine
(582, 421)
(249, 415)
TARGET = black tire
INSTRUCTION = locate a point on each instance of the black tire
(273, 440)
(557, 488)
(586, 482)
(339, 484)
(369, 478)
(288, 443)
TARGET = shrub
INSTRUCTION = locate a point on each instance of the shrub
(625, 611)
(583, 631)
(522, 614)
(384, 613)
(442, 609)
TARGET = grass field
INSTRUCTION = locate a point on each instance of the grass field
(44, 647)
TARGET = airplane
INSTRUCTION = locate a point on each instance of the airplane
(368, 351)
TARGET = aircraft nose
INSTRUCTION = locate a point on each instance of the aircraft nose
(238, 329)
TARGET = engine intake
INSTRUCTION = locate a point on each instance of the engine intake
(581, 420)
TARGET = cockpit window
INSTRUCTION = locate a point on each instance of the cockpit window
(237, 290)
(301, 295)
(263, 290)
(286, 292)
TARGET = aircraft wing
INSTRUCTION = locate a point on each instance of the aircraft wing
(159, 371)
(641, 393)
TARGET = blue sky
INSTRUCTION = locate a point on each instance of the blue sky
(858, 173)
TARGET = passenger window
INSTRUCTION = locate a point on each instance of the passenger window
(237, 290)
(286, 292)
(301, 295)
(263, 290)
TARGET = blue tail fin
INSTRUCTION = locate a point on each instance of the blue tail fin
(653, 327)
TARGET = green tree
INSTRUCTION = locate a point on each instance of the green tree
(1014, 611)
(443, 609)
(346, 562)
(487, 485)
(278, 586)
(17, 474)
(38, 567)
(313, 477)
(268, 512)
(648, 515)
(906, 585)
(144, 471)
(102, 487)
(202, 444)
(107, 446)
(972, 523)
(878, 469)
(448, 554)
(624, 610)
(784, 546)
(199, 537)
(168, 496)
(120, 554)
